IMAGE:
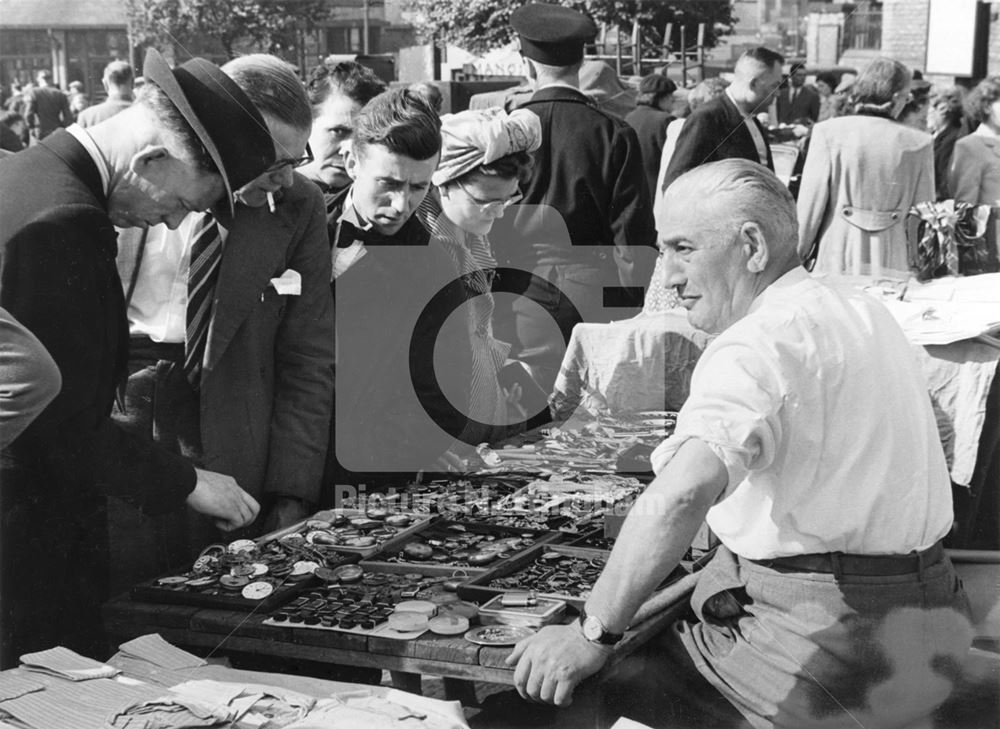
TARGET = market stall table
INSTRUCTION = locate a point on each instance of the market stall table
(221, 632)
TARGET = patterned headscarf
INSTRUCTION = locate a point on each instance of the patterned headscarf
(478, 137)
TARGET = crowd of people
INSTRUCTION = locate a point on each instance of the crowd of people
(236, 292)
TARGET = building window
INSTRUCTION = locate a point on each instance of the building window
(863, 30)
(23, 53)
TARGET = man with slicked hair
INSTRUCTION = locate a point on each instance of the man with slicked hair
(191, 138)
(809, 445)
(391, 417)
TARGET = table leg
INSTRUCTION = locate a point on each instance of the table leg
(406, 682)
(458, 689)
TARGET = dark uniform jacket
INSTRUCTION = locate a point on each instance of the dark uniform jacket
(58, 278)
(589, 170)
(713, 132)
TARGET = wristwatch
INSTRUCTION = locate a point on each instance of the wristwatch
(594, 630)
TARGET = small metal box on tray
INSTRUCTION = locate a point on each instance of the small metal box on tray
(457, 545)
(543, 611)
(551, 571)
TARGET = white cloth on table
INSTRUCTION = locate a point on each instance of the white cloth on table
(642, 363)
(959, 377)
(818, 409)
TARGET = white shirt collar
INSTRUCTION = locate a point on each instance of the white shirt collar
(796, 276)
(83, 137)
(730, 95)
(984, 131)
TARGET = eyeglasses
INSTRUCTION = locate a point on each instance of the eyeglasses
(289, 162)
(485, 206)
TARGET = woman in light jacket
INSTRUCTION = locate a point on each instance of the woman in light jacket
(862, 175)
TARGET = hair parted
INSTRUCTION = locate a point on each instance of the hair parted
(273, 87)
(748, 191)
(402, 122)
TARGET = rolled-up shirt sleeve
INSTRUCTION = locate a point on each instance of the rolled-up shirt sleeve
(734, 408)
(29, 378)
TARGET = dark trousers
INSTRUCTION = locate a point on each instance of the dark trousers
(53, 564)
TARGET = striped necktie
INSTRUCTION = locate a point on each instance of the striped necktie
(206, 255)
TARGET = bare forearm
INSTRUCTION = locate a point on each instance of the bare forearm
(656, 533)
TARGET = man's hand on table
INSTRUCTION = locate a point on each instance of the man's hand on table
(219, 496)
(553, 661)
(285, 511)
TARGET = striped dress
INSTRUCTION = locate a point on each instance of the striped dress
(473, 258)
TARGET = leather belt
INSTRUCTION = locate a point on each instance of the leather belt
(838, 563)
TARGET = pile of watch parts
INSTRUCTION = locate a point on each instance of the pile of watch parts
(596, 447)
(338, 530)
(456, 545)
(249, 570)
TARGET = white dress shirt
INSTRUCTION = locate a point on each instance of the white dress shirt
(755, 134)
(158, 307)
(816, 405)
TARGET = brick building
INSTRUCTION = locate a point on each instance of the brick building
(75, 39)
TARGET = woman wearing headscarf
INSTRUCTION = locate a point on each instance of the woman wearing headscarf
(862, 175)
(485, 154)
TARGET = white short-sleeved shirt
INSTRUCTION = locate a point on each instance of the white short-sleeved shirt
(817, 407)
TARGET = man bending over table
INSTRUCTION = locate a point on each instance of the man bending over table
(809, 445)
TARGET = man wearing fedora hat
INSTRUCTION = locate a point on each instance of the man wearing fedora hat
(589, 171)
(191, 138)
(252, 397)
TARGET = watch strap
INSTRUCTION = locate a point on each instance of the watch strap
(605, 638)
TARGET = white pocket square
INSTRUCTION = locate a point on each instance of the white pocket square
(289, 283)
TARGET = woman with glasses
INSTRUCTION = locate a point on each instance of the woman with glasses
(484, 156)
(862, 175)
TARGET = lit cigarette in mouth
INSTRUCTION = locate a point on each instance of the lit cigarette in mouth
(270, 202)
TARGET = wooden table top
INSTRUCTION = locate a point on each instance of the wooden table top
(222, 631)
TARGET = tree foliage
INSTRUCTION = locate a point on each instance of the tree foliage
(267, 25)
(482, 25)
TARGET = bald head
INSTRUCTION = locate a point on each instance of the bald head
(727, 230)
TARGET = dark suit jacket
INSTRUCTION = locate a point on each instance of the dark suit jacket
(267, 388)
(715, 131)
(803, 109)
(944, 148)
(589, 170)
(651, 128)
(46, 110)
(390, 415)
(58, 277)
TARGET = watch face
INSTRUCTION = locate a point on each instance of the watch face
(592, 628)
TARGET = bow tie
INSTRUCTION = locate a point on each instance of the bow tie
(348, 233)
